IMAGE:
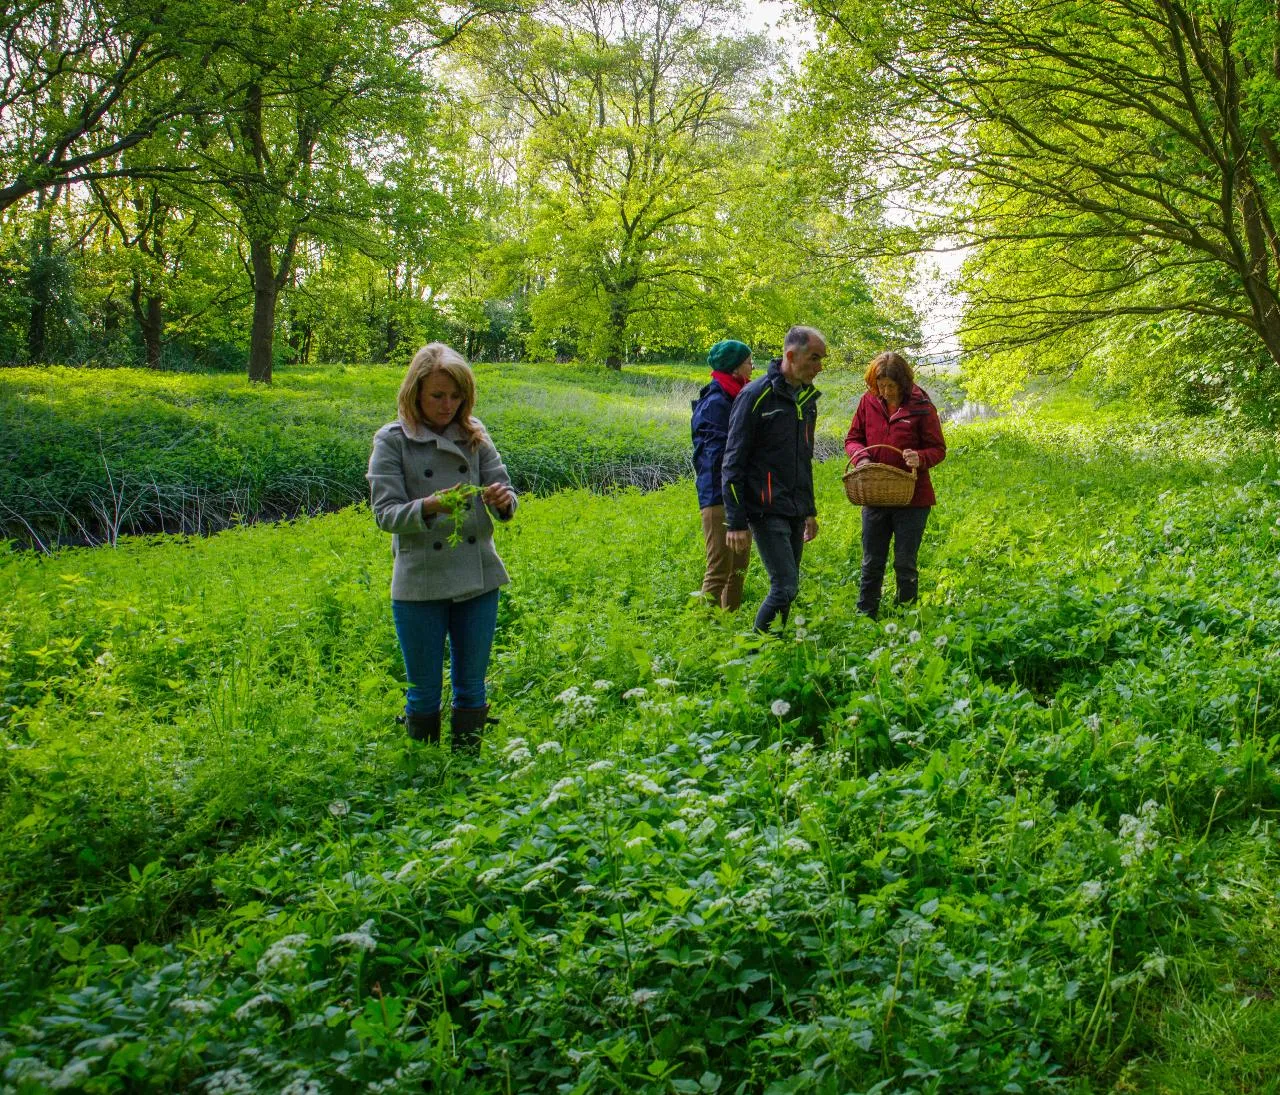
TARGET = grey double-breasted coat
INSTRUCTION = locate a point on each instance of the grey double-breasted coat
(408, 463)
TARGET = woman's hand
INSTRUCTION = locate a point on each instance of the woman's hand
(911, 458)
(431, 505)
(500, 496)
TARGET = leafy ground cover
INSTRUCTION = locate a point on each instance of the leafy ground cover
(89, 455)
(1020, 840)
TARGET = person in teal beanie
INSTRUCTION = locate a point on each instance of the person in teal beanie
(731, 365)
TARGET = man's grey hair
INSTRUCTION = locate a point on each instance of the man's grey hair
(798, 338)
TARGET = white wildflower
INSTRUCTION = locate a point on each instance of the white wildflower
(569, 783)
(642, 996)
(281, 952)
(446, 845)
(1091, 891)
(1138, 833)
(568, 695)
(533, 883)
(362, 938)
(665, 682)
(913, 637)
(339, 808)
(890, 628)
(718, 801)
(548, 940)
(105, 658)
(463, 828)
(738, 834)
(600, 766)
(584, 887)
(602, 685)
(799, 621)
(230, 1081)
(303, 1085)
(244, 1010)
(636, 693)
(517, 757)
(801, 633)
(190, 1006)
(796, 845)
(72, 1075)
(490, 876)
(550, 747)
(941, 641)
(780, 708)
(679, 825)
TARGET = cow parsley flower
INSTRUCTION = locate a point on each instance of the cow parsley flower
(600, 766)
(797, 845)
(636, 693)
(602, 685)
(665, 682)
(1091, 891)
(362, 938)
(191, 1006)
(550, 747)
(568, 695)
(250, 1005)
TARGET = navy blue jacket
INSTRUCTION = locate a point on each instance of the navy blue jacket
(710, 430)
(768, 458)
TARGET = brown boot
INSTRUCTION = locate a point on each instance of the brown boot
(423, 727)
(467, 724)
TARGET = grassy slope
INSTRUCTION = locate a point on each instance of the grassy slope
(90, 454)
(208, 810)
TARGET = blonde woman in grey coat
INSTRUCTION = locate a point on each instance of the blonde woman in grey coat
(435, 481)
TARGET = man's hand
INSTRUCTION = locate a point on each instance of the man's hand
(810, 529)
(738, 540)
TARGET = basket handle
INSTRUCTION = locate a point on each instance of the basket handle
(868, 448)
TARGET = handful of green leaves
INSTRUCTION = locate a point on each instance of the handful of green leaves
(456, 501)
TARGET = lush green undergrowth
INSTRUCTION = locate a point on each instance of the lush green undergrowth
(89, 455)
(1019, 840)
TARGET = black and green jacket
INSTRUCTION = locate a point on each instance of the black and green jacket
(768, 459)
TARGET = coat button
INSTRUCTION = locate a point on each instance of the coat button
(463, 469)
(471, 539)
(428, 473)
(437, 545)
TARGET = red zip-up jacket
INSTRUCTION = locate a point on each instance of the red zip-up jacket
(914, 425)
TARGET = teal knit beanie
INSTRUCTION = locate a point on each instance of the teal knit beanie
(727, 355)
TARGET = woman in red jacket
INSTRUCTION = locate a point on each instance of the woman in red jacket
(894, 411)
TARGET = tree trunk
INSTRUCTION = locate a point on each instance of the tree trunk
(262, 333)
(619, 313)
(148, 313)
(40, 284)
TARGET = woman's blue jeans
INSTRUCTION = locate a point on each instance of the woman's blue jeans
(421, 627)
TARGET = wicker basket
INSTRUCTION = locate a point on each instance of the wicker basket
(873, 484)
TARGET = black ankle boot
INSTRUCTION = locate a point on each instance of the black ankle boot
(467, 723)
(423, 727)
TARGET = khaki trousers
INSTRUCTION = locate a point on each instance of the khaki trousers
(726, 569)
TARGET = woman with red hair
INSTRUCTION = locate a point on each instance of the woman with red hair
(895, 411)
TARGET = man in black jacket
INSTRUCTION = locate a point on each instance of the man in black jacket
(768, 468)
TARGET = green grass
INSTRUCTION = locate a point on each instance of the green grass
(89, 455)
(1023, 839)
